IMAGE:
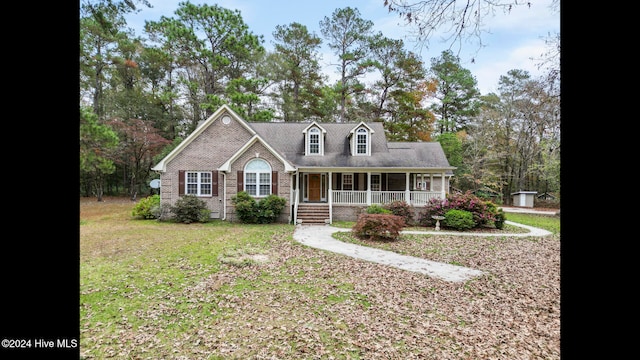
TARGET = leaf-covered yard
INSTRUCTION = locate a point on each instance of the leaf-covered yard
(154, 290)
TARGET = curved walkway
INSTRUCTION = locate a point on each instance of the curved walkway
(320, 237)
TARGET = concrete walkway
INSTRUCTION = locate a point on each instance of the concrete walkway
(320, 237)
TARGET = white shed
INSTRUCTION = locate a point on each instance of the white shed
(523, 198)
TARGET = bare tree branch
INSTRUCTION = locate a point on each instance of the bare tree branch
(459, 21)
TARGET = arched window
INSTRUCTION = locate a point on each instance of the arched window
(257, 178)
(362, 141)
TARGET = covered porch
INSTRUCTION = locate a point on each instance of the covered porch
(364, 188)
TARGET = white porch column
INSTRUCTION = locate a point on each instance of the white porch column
(368, 188)
(407, 194)
(329, 190)
(443, 193)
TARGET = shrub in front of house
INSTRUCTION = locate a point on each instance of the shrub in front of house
(246, 207)
(270, 208)
(265, 211)
(401, 208)
(147, 208)
(483, 212)
(434, 207)
(189, 209)
(377, 209)
(459, 220)
(385, 227)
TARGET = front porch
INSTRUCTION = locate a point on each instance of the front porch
(361, 189)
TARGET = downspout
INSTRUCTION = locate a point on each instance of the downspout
(293, 196)
(224, 195)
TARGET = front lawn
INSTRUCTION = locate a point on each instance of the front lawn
(152, 290)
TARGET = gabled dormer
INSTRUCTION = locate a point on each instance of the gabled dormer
(360, 140)
(314, 135)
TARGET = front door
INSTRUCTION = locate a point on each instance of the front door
(314, 187)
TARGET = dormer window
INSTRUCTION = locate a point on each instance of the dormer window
(314, 139)
(362, 141)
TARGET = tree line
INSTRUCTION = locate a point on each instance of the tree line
(141, 95)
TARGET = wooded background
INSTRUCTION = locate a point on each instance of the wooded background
(141, 94)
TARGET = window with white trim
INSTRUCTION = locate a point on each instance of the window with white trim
(347, 181)
(314, 141)
(257, 178)
(375, 182)
(198, 183)
(362, 141)
(422, 182)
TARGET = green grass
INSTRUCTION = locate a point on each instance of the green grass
(158, 290)
(148, 288)
(549, 223)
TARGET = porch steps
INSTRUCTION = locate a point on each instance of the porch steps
(313, 214)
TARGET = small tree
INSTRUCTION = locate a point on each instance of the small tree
(378, 227)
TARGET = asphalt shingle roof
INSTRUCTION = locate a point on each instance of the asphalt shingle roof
(288, 140)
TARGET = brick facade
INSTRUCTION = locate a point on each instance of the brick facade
(257, 150)
(210, 150)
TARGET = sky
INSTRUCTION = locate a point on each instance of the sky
(513, 41)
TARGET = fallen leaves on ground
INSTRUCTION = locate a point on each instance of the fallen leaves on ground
(304, 303)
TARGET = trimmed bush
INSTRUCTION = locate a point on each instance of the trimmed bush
(270, 208)
(246, 207)
(189, 209)
(378, 227)
(147, 208)
(265, 211)
(459, 220)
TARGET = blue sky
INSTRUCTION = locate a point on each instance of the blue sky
(513, 40)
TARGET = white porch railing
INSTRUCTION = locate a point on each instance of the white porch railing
(416, 198)
(349, 197)
(383, 197)
(422, 198)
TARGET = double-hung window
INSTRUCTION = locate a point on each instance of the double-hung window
(362, 139)
(198, 183)
(314, 141)
(375, 182)
(257, 178)
(347, 182)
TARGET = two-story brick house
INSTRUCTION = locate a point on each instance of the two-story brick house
(326, 171)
